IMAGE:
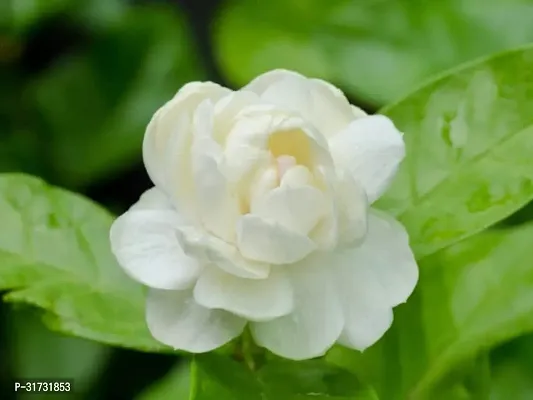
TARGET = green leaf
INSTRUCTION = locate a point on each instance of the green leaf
(470, 297)
(522, 216)
(175, 385)
(469, 143)
(377, 50)
(55, 255)
(512, 370)
(221, 378)
(36, 352)
(96, 103)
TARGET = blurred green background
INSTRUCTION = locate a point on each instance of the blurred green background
(80, 80)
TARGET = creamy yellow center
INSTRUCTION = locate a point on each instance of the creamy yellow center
(293, 143)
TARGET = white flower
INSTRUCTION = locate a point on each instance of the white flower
(261, 215)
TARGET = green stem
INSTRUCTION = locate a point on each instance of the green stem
(248, 353)
(248, 347)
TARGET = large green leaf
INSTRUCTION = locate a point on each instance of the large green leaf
(96, 103)
(377, 49)
(471, 296)
(217, 377)
(469, 140)
(55, 255)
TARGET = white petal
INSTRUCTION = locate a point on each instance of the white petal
(247, 143)
(146, 245)
(296, 208)
(262, 82)
(367, 312)
(297, 176)
(253, 299)
(265, 180)
(331, 110)
(319, 102)
(246, 146)
(153, 199)
(227, 108)
(174, 118)
(229, 259)
(352, 208)
(385, 254)
(382, 271)
(326, 233)
(175, 319)
(210, 250)
(168, 138)
(371, 149)
(259, 134)
(365, 324)
(218, 206)
(316, 322)
(270, 242)
(358, 113)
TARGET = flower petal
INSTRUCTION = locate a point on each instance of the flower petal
(253, 299)
(297, 176)
(371, 149)
(146, 245)
(227, 108)
(257, 129)
(175, 319)
(152, 199)
(262, 82)
(218, 207)
(319, 102)
(365, 324)
(270, 242)
(386, 256)
(208, 249)
(372, 279)
(296, 208)
(316, 322)
(382, 271)
(168, 137)
(358, 113)
(228, 258)
(367, 312)
(326, 234)
(352, 208)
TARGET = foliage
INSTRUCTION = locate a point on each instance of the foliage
(54, 254)
(471, 297)
(133, 60)
(380, 48)
(468, 138)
